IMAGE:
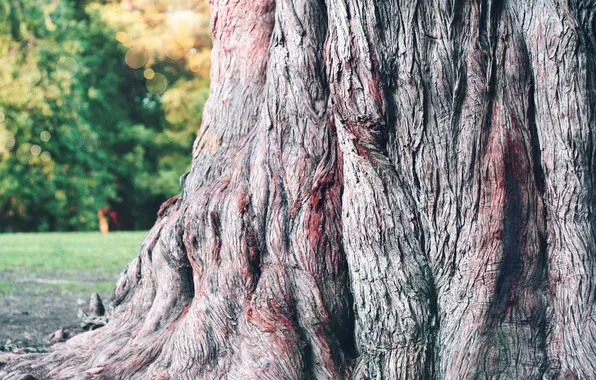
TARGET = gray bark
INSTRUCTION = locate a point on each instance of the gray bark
(387, 189)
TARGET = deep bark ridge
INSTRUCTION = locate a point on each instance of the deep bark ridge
(380, 190)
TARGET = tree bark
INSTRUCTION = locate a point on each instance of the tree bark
(390, 189)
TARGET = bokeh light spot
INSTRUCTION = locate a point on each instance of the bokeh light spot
(153, 43)
(135, 57)
(67, 67)
(88, 142)
(186, 41)
(200, 63)
(21, 92)
(7, 140)
(2, 117)
(158, 84)
(30, 75)
(45, 136)
(46, 157)
(24, 153)
(121, 37)
(175, 52)
(149, 74)
(176, 115)
(35, 150)
(52, 90)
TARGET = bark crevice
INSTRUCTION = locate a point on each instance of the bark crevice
(380, 189)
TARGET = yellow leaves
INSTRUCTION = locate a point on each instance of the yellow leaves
(60, 194)
(47, 11)
(172, 29)
(173, 105)
(29, 75)
(28, 84)
(31, 86)
(200, 63)
(5, 75)
(17, 95)
(176, 114)
(92, 93)
(24, 153)
(182, 104)
(153, 44)
(181, 23)
(174, 51)
(173, 97)
(153, 15)
(50, 26)
(186, 42)
(66, 88)
(45, 109)
(51, 90)
(7, 140)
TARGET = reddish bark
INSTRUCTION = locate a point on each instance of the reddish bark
(380, 189)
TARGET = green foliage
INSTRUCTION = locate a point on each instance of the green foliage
(80, 129)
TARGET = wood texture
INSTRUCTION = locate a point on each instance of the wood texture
(381, 189)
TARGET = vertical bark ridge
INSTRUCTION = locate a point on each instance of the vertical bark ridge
(435, 133)
(384, 189)
(241, 33)
(389, 273)
(515, 334)
(469, 64)
(561, 50)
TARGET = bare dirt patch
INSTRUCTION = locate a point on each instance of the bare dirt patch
(32, 309)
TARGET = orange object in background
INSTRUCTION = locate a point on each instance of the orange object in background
(104, 226)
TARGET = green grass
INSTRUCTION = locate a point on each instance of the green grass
(83, 260)
(72, 251)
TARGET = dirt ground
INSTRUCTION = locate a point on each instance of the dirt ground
(45, 278)
(33, 310)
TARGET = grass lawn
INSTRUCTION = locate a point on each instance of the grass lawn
(45, 278)
(72, 261)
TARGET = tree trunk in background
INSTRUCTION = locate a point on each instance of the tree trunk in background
(387, 189)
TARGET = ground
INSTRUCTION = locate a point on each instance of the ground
(46, 278)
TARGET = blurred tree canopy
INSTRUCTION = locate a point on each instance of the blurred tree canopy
(99, 105)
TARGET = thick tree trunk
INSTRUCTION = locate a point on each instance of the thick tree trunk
(387, 189)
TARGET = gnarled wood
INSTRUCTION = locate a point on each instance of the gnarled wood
(380, 190)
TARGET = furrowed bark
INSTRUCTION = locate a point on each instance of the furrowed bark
(380, 190)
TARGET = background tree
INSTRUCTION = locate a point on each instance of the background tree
(167, 43)
(87, 121)
(388, 190)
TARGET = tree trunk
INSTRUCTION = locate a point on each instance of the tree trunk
(388, 189)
